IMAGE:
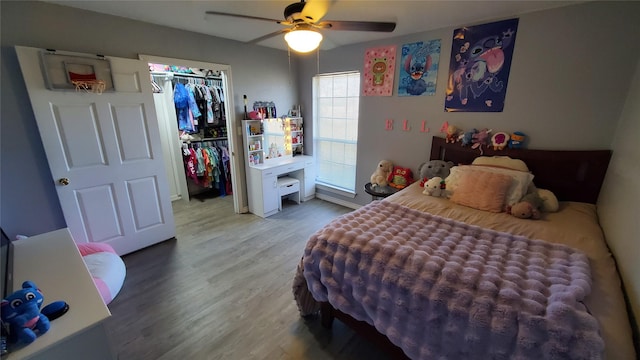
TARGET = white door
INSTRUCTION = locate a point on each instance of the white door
(108, 148)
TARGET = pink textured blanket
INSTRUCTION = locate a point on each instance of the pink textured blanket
(439, 288)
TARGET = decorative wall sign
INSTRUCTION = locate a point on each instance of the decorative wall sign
(379, 70)
(71, 72)
(479, 66)
(420, 62)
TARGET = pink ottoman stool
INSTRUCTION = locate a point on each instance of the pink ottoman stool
(106, 268)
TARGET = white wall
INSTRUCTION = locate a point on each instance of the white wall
(620, 197)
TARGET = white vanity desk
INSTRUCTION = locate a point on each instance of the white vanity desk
(262, 182)
(53, 262)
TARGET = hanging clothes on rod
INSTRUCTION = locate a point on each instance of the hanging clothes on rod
(207, 165)
(205, 102)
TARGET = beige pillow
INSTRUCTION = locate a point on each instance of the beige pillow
(517, 189)
(482, 190)
(501, 161)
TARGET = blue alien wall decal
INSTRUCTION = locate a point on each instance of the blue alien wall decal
(479, 67)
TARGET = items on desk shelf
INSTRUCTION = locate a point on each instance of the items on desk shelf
(273, 151)
(266, 108)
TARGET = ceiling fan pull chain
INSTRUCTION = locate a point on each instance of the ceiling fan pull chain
(318, 61)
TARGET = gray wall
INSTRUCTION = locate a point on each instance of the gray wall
(569, 78)
(29, 204)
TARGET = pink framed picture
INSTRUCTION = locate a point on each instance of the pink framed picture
(379, 70)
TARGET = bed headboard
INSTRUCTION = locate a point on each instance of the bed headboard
(572, 175)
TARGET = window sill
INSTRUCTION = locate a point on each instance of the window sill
(336, 190)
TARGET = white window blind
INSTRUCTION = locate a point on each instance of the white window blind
(336, 100)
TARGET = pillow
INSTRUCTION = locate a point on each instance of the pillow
(519, 185)
(501, 161)
(482, 190)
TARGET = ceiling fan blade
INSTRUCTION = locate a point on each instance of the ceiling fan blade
(314, 10)
(245, 16)
(357, 25)
(268, 36)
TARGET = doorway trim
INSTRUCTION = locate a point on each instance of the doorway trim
(240, 203)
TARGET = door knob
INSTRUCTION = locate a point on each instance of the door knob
(64, 181)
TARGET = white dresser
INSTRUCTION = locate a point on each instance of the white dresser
(53, 262)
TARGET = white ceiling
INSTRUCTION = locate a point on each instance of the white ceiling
(410, 16)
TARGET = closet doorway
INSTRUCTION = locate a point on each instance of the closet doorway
(214, 131)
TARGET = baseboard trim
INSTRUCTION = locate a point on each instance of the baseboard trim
(334, 200)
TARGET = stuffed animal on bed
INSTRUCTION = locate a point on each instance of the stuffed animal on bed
(21, 311)
(400, 177)
(434, 187)
(528, 208)
(381, 175)
(434, 168)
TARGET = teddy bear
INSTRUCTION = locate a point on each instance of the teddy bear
(529, 207)
(381, 175)
(434, 187)
(434, 168)
(21, 311)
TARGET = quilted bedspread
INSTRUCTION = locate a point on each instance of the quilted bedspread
(443, 289)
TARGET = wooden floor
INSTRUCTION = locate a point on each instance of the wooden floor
(222, 290)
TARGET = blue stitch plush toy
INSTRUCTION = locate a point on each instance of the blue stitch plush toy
(21, 311)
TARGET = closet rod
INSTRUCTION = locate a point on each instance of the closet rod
(171, 75)
(205, 139)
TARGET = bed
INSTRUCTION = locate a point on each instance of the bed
(426, 277)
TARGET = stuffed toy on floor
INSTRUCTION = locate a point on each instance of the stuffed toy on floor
(21, 311)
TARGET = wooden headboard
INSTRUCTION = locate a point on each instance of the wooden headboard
(572, 175)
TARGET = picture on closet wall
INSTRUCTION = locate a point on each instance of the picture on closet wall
(419, 73)
(379, 70)
(479, 67)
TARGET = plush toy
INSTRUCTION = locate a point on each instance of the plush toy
(517, 140)
(434, 168)
(434, 187)
(528, 208)
(500, 140)
(21, 311)
(466, 138)
(381, 175)
(400, 177)
(452, 132)
(480, 139)
(549, 200)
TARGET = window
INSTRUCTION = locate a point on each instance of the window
(336, 99)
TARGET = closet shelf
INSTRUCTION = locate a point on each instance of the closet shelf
(204, 139)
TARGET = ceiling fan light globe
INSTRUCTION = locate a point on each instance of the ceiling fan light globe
(303, 41)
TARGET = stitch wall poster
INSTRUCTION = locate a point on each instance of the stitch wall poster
(419, 68)
(379, 70)
(479, 67)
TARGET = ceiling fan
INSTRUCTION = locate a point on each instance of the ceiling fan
(304, 18)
